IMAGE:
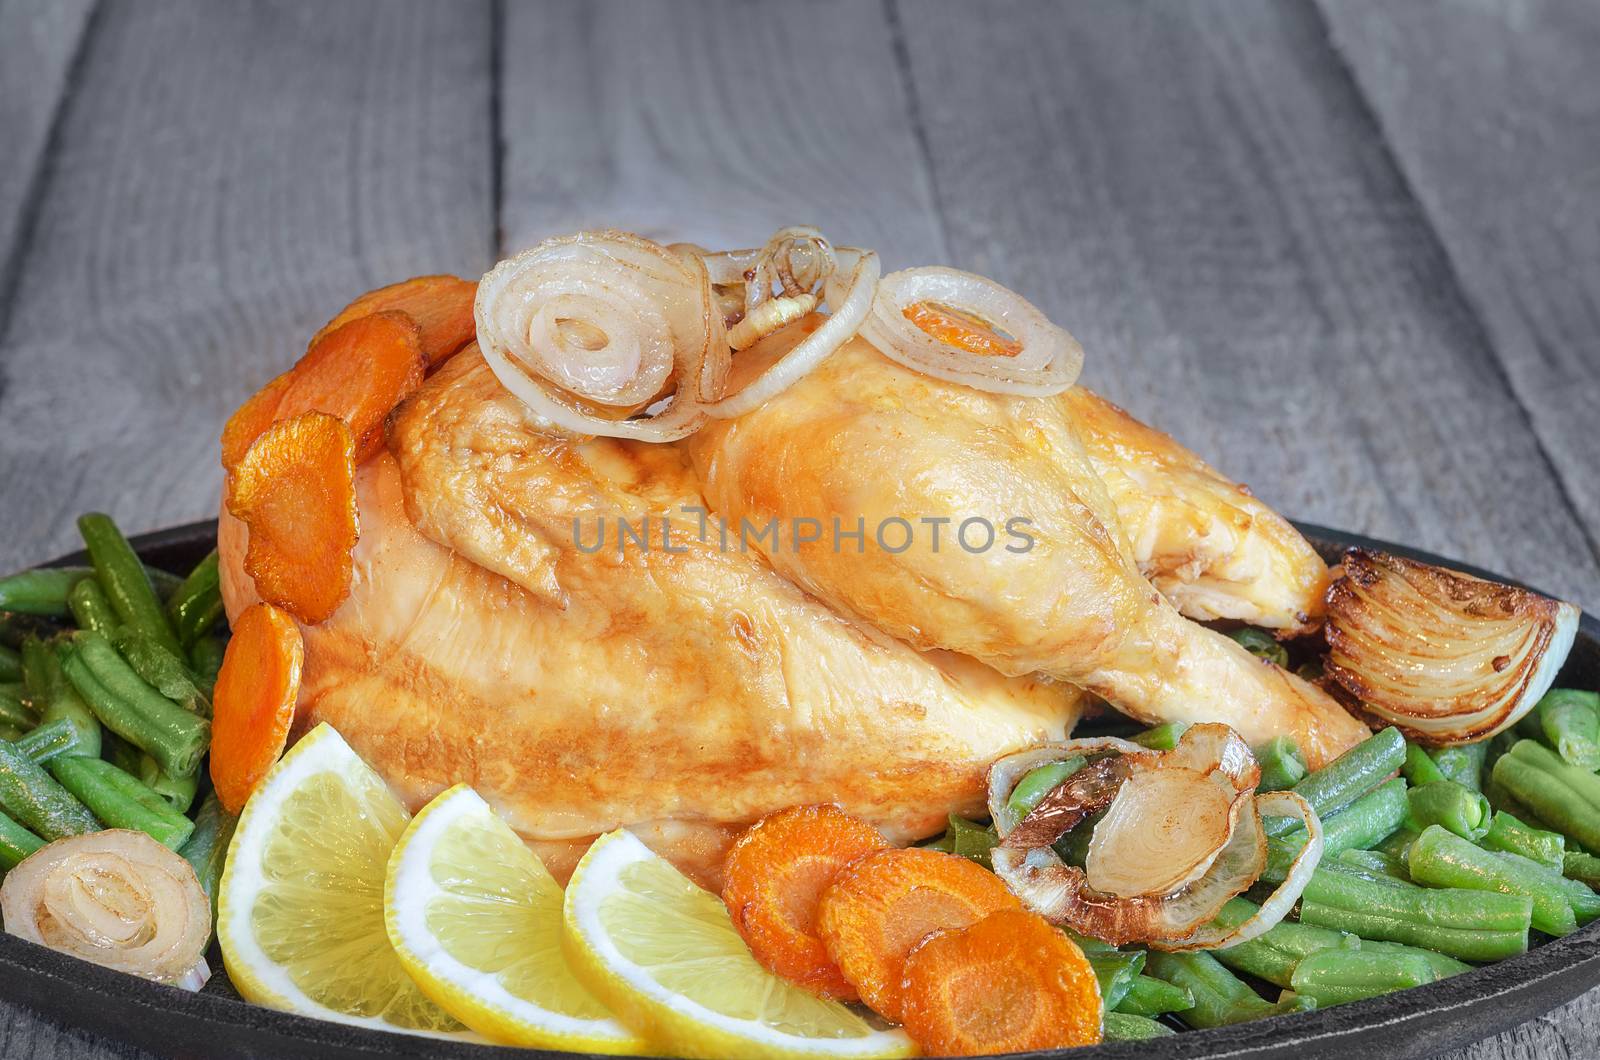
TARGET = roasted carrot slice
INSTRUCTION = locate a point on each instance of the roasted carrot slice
(295, 490)
(440, 305)
(254, 701)
(1009, 983)
(250, 419)
(776, 873)
(881, 907)
(961, 330)
(359, 372)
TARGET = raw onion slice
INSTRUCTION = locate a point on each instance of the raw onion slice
(117, 898)
(1278, 904)
(1006, 773)
(1048, 361)
(590, 330)
(849, 293)
(1447, 657)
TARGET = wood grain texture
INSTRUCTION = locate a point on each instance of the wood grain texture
(1198, 193)
(38, 43)
(715, 129)
(225, 178)
(1493, 112)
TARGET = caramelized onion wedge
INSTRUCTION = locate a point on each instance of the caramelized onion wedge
(116, 898)
(1047, 361)
(1446, 657)
(1162, 832)
(591, 330)
(1278, 904)
(1006, 773)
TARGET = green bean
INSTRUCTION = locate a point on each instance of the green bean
(1585, 868)
(1359, 825)
(165, 583)
(1442, 859)
(197, 604)
(29, 796)
(967, 839)
(179, 792)
(50, 740)
(1311, 671)
(40, 673)
(90, 607)
(1273, 954)
(1337, 977)
(16, 843)
(1372, 863)
(133, 710)
(1126, 1027)
(1562, 795)
(1585, 903)
(1468, 925)
(1463, 764)
(10, 664)
(165, 672)
(65, 704)
(1346, 778)
(207, 847)
(1282, 767)
(1262, 645)
(123, 577)
(14, 709)
(1463, 811)
(1503, 800)
(1508, 834)
(1162, 737)
(1114, 969)
(40, 592)
(1038, 783)
(1148, 996)
(1419, 768)
(1443, 967)
(1220, 997)
(1074, 846)
(122, 801)
(1570, 721)
(206, 659)
(1398, 843)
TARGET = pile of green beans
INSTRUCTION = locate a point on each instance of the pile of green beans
(106, 725)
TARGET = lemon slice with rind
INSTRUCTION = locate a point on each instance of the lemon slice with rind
(476, 919)
(300, 915)
(664, 954)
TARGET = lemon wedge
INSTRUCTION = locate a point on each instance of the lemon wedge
(300, 911)
(476, 919)
(664, 954)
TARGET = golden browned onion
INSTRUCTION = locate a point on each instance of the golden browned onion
(1446, 657)
(117, 898)
(606, 333)
(1181, 834)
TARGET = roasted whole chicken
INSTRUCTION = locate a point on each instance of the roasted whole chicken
(665, 629)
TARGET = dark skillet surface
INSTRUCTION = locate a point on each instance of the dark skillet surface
(1415, 1023)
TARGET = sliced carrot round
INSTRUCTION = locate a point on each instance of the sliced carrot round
(250, 419)
(776, 873)
(442, 307)
(295, 491)
(253, 706)
(358, 372)
(880, 908)
(1010, 983)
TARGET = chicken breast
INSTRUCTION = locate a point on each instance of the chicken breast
(498, 634)
(1033, 573)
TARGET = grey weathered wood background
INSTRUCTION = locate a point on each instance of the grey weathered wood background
(1349, 249)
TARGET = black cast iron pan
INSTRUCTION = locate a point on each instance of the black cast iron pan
(1410, 1025)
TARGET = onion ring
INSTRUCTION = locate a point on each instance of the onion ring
(1049, 360)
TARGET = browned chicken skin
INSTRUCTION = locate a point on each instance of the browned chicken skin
(863, 438)
(680, 693)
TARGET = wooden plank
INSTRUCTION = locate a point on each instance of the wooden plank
(1199, 194)
(1493, 113)
(37, 45)
(716, 129)
(226, 177)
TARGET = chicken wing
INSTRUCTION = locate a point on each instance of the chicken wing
(1211, 548)
(680, 689)
(862, 443)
